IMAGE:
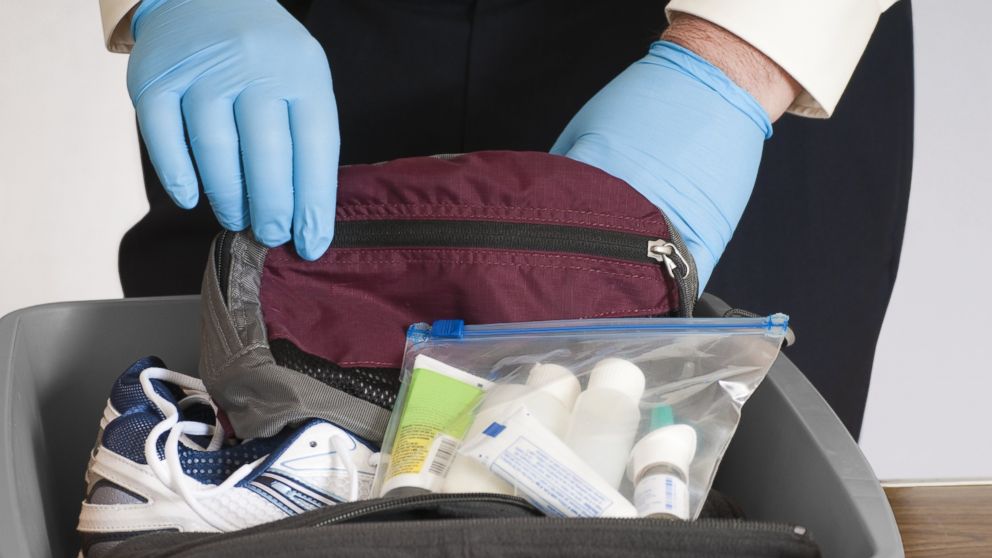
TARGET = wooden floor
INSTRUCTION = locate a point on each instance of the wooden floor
(944, 521)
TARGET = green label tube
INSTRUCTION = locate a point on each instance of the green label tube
(437, 412)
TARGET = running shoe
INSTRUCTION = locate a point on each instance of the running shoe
(163, 462)
(127, 393)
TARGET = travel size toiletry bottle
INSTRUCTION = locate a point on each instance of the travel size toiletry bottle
(437, 411)
(553, 391)
(545, 471)
(659, 468)
(606, 416)
(466, 475)
(549, 394)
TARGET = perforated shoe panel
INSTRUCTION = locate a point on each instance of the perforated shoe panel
(378, 386)
(127, 392)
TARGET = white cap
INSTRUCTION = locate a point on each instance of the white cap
(673, 445)
(618, 374)
(557, 381)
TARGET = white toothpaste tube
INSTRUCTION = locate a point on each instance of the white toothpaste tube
(545, 471)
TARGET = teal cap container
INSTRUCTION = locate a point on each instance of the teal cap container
(662, 416)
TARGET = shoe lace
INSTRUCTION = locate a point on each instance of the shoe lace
(340, 443)
(169, 469)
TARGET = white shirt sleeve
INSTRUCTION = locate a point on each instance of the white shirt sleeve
(117, 24)
(818, 42)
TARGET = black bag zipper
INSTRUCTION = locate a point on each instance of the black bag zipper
(383, 505)
(344, 513)
(672, 254)
(222, 259)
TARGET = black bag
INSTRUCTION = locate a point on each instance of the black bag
(482, 525)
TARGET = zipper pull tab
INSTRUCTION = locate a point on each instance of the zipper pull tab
(448, 329)
(662, 251)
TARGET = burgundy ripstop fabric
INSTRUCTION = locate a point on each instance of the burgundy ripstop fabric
(519, 187)
(353, 305)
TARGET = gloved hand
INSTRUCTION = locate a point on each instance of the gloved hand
(681, 133)
(253, 89)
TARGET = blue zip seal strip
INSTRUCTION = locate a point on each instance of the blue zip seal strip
(448, 329)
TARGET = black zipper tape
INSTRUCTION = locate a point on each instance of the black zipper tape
(369, 508)
(384, 505)
(222, 258)
(687, 280)
(366, 511)
(494, 235)
(500, 236)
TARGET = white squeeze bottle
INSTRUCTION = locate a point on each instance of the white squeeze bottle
(549, 394)
(606, 417)
(553, 391)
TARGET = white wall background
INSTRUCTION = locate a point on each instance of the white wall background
(929, 412)
(70, 186)
(70, 178)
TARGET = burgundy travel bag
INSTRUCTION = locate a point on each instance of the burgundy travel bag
(484, 237)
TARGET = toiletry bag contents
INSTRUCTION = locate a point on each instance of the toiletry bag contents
(485, 237)
(602, 418)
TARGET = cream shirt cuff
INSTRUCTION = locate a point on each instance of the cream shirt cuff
(117, 24)
(818, 42)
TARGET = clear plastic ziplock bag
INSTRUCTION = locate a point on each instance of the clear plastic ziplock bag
(583, 418)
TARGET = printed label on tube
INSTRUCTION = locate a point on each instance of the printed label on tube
(521, 451)
(436, 415)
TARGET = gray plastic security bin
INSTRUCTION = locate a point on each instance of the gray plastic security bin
(791, 460)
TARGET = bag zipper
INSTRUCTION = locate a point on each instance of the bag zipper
(289, 525)
(707, 522)
(685, 266)
(412, 502)
(222, 258)
(671, 254)
(776, 324)
(327, 516)
(400, 504)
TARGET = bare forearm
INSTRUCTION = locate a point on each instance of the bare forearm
(766, 81)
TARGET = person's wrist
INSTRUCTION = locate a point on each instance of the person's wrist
(666, 54)
(142, 8)
(748, 67)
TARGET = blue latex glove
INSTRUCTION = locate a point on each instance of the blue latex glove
(681, 133)
(252, 90)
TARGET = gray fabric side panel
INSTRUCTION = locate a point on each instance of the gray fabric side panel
(219, 340)
(259, 396)
(265, 397)
(244, 286)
